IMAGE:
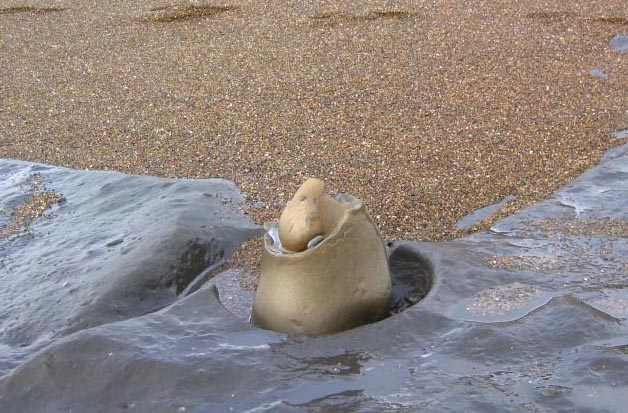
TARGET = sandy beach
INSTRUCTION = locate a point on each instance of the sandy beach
(425, 110)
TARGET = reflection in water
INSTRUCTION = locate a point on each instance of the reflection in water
(348, 375)
(342, 364)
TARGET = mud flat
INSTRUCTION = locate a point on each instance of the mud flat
(558, 342)
(80, 249)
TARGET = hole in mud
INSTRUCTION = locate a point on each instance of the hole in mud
(412, 277)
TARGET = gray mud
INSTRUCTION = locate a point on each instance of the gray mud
(118, 246)
(528, 316)
(479, 215)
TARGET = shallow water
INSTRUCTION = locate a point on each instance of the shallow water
(529, 316)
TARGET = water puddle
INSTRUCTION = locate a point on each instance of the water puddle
(501, 304)
(597, 72)
(355, 373)
(620, 43)
(601, 397)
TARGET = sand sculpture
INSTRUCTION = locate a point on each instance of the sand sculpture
(324, 266)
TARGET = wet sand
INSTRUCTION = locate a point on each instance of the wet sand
(425, 110)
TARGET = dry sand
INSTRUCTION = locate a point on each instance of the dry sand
(427, 110)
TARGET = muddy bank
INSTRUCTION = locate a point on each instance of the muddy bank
(529, 316)
(111, 246)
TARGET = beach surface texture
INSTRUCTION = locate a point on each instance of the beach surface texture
(425, 110)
